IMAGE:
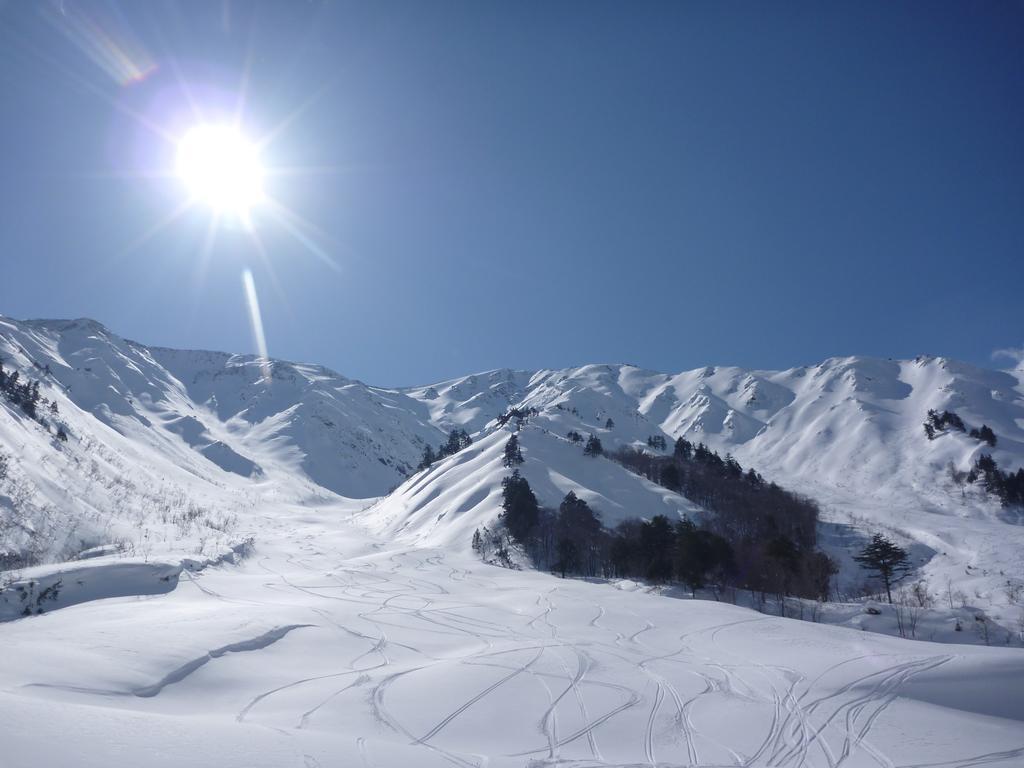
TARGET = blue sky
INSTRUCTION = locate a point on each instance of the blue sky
(529, 184)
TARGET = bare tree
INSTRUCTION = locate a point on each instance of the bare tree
(982, 628)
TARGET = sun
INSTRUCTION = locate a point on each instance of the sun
(221, 168)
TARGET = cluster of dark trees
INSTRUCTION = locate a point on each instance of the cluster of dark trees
(756, 536)
(657, 442)
(24, 393)
(593, 445)
(570, 540)
(457, 440)
(985, 434)
(1008, 486)
(521, 415)
(941, 422)
(772, 532)
(657, 550)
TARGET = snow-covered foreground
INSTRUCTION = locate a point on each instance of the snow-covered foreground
(327, 647)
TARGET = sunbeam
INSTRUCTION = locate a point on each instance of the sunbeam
(256, 321)
(270, 136)
(268, 265)
(293, 224)
(154, 230)
(204, 258)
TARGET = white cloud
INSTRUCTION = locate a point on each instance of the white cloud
(1016, 354)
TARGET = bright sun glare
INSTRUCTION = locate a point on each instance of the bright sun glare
(221, 168)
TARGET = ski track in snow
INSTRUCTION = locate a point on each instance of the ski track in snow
(411, 652)
(461, 664)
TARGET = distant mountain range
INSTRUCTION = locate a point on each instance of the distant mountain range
(151, 430)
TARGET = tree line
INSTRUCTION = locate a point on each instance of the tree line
(937, 423)
(772, 532)
(743, 503)
(756, 536)
(1008, 486)
(24, 393)
(457, 440)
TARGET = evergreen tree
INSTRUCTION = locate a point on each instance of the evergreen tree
(886, 559)
(609, 424)
(985, 434)
(690, 556)
(670, 477)
(700, 553)
(568, 556)
(657, 542)
(578, 524)
(520, 509)
(949, 418)
(457, 440)
(785, 555)
(683, 449)
(513, 455)
(593, 447)
(575, 515)
(986, 468)
(622, 553)
(732, 467)
(429, 457)
(30, 398)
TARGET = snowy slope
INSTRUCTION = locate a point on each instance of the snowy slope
(154, 431)
(314, 630)
(444, 505)
(472, 402)
(332, 648)
(848, 433)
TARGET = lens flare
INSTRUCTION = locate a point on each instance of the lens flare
(105, 37)
(256, 321)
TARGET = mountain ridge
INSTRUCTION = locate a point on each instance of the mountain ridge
(218, 428)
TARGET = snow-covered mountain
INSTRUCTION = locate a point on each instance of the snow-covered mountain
(147, 425)
(152, 429)
(355, 627)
